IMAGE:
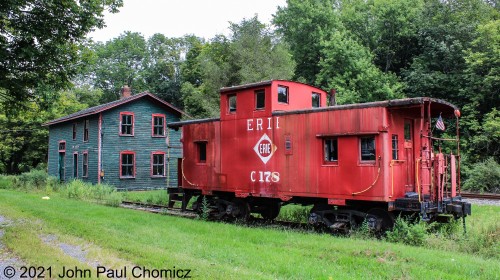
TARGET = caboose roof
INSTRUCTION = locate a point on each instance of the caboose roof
(438, 106)
(107, 106)
(260, 84)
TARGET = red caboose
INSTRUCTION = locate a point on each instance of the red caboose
(277, 142)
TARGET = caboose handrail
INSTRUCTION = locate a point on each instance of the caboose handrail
(374, 182)
(442, 139)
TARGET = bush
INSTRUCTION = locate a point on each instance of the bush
(102, 193)
(484, 177)
(35, 180)
(294, 213)
(6, 181)
(407, 232)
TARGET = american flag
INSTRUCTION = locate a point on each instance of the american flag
(440, 124)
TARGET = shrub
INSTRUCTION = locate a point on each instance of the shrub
(101, 193)
(293, 213)
(6, 181)
(407, 232)
(484, 177)
(35, 180)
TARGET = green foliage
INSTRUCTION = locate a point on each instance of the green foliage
(388, 28)
(252, 53)
(347, 67)
(23, 140)
(39, 43)
(407, 232)
(100, 193)
(306, 26)
(484, 177)
(294, 213)
(33, 180)
(205, 209)
(362, 232)
(6, 181)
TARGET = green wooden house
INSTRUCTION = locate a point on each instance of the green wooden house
(124, 143)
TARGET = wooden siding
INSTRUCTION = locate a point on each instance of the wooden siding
(64, 132)
(142, 143)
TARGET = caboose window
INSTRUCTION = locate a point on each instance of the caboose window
(367, 148)
(407, 130)
(260, 99)
(331, 150)
(232, 103)
(316, 100)
(395, 150)
(283, 94)
(202, 151)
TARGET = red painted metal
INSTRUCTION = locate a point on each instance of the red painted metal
(278, 151)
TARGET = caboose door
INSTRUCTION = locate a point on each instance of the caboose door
(409, 156)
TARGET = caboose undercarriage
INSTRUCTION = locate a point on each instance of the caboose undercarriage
(379, 216)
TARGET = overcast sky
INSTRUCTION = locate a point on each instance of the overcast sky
(175, 18)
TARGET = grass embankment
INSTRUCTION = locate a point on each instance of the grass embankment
(226, 251)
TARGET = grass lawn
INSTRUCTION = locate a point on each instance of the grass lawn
(223, 251)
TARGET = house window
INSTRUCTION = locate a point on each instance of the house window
(232, 103)
(86, 125)
(316, 100)
(283, 94)
(331, 150)
(367, 148)
(126, 124)
(158, 164)
(85, 165)
(260, 99)
(74, 131)
(62, 146)
(127, 164)
(395, 151)
(202, 151)
(158, 125)
(75, 165)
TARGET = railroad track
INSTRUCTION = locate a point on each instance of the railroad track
(490, 196)
(162, 209)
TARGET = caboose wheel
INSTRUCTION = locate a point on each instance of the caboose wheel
(379, 220)
(239, 209)
(271, 211)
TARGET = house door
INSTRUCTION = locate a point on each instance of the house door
(409, 156)
(61, 166)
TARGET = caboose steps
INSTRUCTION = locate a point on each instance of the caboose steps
(177, 195)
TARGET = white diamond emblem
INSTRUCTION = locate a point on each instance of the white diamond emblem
(265, 148)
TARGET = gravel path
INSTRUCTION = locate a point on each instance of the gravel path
(6, 258)
(73, 251)
(483, 201)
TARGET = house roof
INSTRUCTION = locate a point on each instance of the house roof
(104, 107)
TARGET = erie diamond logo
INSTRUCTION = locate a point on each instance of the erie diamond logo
(265, 148)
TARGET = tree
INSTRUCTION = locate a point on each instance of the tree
(305, 26)
(23, 140)
(120, 62)
(348, 67)
(252, 53)
(388, 28)
(38, 42)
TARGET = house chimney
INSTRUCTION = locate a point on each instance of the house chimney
(125, 92)
(332, 101)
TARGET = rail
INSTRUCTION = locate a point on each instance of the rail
(490, 196)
